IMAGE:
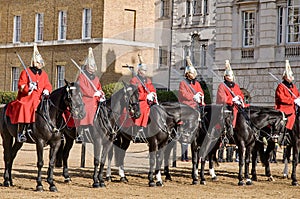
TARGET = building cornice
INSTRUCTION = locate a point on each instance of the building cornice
(80, 41)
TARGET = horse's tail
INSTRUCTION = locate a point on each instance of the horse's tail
(2, 118)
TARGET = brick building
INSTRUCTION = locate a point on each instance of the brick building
(116, 30)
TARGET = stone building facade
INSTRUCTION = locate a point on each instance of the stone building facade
(257, 36)
(116, 30)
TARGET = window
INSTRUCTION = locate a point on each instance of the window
(186, 52)
(15, 71)
(62, 25)
(197, 7)
(165, 8)
(39, 27)
(130, 23)
(248, 28)
(86, 23)
(163, 56)
(280, 25)
(60, 76)
(293, 26)
(188, 8)
(17, 29)
(198, 49)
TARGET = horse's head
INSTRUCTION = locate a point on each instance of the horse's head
(278, 126)
(131, 97)
(73, 100)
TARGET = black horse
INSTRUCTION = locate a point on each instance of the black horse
(167, 122)
(294, 145)
(249, 124)
(44, 131)
(102, 133)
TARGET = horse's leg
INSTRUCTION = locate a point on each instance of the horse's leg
(195, 162)
(109, 160)
(152, 157)
(247, 163)
(97, 147)
(258, 148)
(159, 159)
(203, 180)
(66, 152)
(10, 152)
(52, 156)
(167, 154)
(266, 161)
(106, 148)
(211, 158)
(40, 164)
(120, 151)
(241, 152)
(59, 155)
(295, 163)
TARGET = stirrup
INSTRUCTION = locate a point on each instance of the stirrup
(79, 139)
(21, 137)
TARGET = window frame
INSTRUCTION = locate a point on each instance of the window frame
(15, 75)
(17, 29)
(60, 74)
(39, 27)
(62, 25)
(248, 16)
(87, 23)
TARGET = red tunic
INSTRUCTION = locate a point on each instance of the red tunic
(90, 102)
(22, 110)
(284, 101)
(186, 94)
(144, 106)
(225, 97)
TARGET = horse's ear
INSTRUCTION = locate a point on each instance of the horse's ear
(66, 82)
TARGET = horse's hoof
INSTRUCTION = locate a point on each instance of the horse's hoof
(241, 183)
(67, 180)
(168, 177)
(102, 184)
(271, 179)
(203, 182)
(6, 184)
(214, 179)
(39, 188)
(151, 184)
(123, 179)
(295, 183)
(159, 184)
(285, 176)
(249, 182)
(254, 178)
(195, 182)
(96, 185)
(108, 179)
(53, 188)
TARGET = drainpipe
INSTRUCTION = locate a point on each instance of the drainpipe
(171, 41)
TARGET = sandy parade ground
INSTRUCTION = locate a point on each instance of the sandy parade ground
(25, 172)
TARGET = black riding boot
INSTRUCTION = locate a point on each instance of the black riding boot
(21, 137)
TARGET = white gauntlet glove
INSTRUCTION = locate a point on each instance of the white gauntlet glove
(237, 100)
(46, 92)
(151, 97)
(297, 101)
(197, 97)
(32, 86)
